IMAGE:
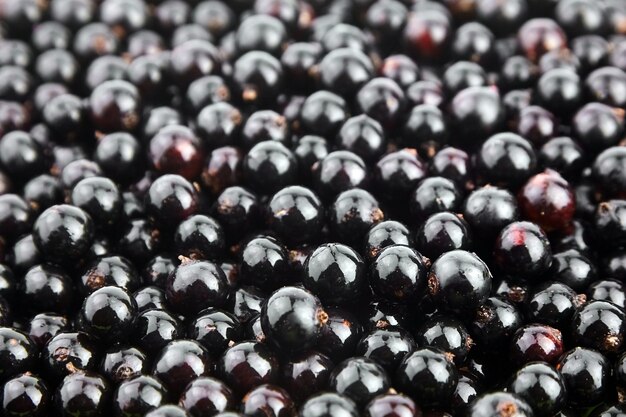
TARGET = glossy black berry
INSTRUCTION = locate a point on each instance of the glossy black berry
(194, 286)
(443, 232)
(179, 363)
(359, 378)
(171, 198)
(122, 363)
(108, 313)
(66, 353)
(428, 375)
(459, 281)
(247, 365)
(207, 396)
(296, 214)
(339, 171)
(434, 195)
(492, 404)
(335, 272)
(46, 288)
(306, 374)
(522, 250)
(329, 404)
(17, 353)
(266, 399)
(154, 328)
(82, 393)
(586, 374)
(63, 232)
(25, 394)
(398, 273)
(292, 319)
(269, 166)
(138, 396)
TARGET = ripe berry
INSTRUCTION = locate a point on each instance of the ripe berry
(398, 273)
(548, 200)
(586, 374)
(194, 286)
(359, 378)
(179, 363)
(522, 250)
(459, 281)
(429, 375)
(292, 319)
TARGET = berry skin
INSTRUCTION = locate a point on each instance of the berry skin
(446, 334)
(599, 325)
(340, 335)
(434, 195)
(292, 319)
(329, 405)
(206, 396)
(586, 374)
(123, 364)
(200, 236)
(196, 285)
(554, 304)
(296, 214)
(171, 198)
(25, 394)
(216, 330)
(386, 346)
(495, 323)
(63, 232)
(176, 150)
(45, 326)
(610, 222)
(264, 263)
(335, 272)
(495, 403)
(506, 159)
(388, 405)
(608, 290)
(154, 328)
(489, 209)
(459, 281)
(541, 386)
(179, 363)
(47, 288)
(108, 313)
(353, 213)
(82, 393)
(609, 170)
(441, 233)
(428, 375)
(548, 200)
(573, 269)
(339, 171)
(306, 374)
(522, 250)
(115, 106)
(385, 234)
(398, 273)
(266, 399)
(359, 378)
(100, 198)
(269, 166)
(536, 343)
(397, 173)
(138, 396)
(247, 365)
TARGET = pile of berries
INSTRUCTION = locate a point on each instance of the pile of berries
(313, 208)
